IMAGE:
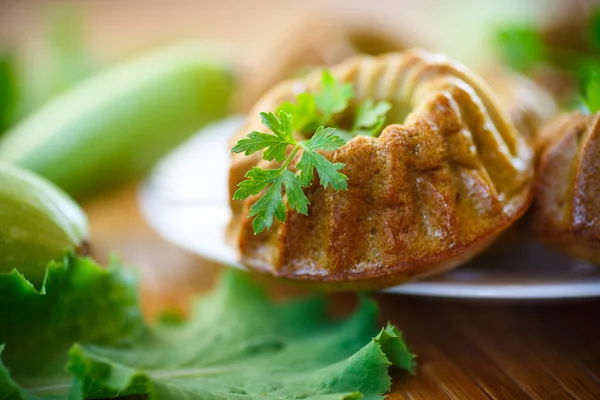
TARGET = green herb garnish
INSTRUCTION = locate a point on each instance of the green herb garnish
(272, 203)
(333, 97)
(592, 94)
(521, 47)
(312, 110)
(524, 48)
(312, 117)
(370, 117)
(82, 336)
(79, 301)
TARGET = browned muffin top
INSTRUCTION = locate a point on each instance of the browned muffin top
(435, 188)
(566, 212)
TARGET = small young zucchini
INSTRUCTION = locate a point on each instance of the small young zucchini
(114, 126)
(38, 223)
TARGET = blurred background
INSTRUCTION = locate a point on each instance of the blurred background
(113, 29)
(42, 35)
(54, 44)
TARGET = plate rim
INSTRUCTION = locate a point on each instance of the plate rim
(576, 289)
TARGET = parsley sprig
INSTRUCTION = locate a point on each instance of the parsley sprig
(276, 145)
(525, 48)
(592, 93)
(319, 109)
(313, 117)
(521, 47)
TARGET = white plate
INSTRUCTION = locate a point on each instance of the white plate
(186, 201)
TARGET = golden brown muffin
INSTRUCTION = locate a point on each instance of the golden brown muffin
(529, 107)
(566, 212)
(439, 184)
(315, 43)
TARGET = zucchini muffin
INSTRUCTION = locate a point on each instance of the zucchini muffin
(447, 175)
(566, 213)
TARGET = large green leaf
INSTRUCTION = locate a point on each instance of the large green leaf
(78, 301)
(237, 345)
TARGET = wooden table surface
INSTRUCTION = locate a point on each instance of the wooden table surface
(466, 349)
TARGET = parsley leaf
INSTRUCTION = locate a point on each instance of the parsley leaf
(275, 181)
(592, 93)
(370, 117)
(258, 179)
(82, 336)
(79, 301)
(257, 141)
(308, 115)
(276, 144)
(328, 172)
(324, 139)
(304, 113)
(281, 127)
(295, 195)
(525, 47)
(334, 96)
(270, 204)
(521, 47)
(312, 110)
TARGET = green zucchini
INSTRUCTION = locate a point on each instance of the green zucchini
(114, 126)
(38, 223)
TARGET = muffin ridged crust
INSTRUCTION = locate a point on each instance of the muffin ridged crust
(435, 188)
(527, 105)
(566, 213)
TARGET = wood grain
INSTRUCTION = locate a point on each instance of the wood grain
(467, 350)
